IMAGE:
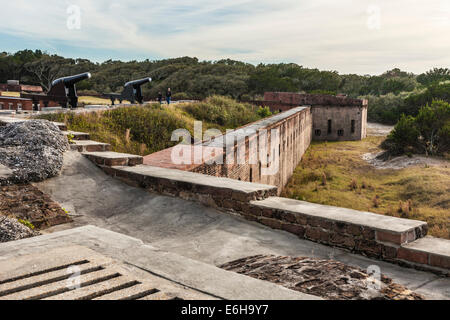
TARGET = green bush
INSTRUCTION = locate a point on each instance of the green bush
(404, 136)
(264, 112)
(428, 133)
(181, 96)
(223, 111)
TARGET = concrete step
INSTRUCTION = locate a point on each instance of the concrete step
(89, 146)
(77, 135)
(61, 125)
(374, 235)
(213, 191)
(434, 252)
(109, 158)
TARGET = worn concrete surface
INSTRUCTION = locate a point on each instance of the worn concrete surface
(171, 273)
(112, 155)
(47, 275)
(432, 245)
(367, 219)
(194, 231)
(197, 178)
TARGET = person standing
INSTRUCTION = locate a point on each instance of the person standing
(168, 95)
(160, 97)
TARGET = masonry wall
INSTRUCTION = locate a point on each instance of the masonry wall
(335, 123)
(12, 103)
(334, 117)
(295, 133)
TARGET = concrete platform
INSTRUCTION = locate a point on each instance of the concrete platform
(117, 267)
(110, 158)
(61, 125)
(89, 146)
(430, 250)
(370, 220)
(194, 231)
(197, 179)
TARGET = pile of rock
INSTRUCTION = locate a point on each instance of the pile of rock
(32, 150)
(11, 229)
(328, 279)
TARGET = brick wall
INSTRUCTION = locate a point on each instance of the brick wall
(334, 117)
(11, 103)
(295, 138)
(334, 123)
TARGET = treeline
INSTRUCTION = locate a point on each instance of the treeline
(390, 94)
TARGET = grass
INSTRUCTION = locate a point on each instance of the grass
(333, 173)
(88, 100)
(10, 94)
(147, 129)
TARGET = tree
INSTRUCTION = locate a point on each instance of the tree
(403, 138)
(433, 123)
(433, 76)
(46, 69)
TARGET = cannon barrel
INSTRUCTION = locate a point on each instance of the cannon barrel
(68, 81)
(137, 83)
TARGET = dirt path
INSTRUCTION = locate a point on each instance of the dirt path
(378, 129)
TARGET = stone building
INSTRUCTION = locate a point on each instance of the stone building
(334, 117)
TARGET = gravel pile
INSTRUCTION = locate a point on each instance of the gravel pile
(11, 229)
(32, 149)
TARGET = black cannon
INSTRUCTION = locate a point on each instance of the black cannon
(132, 92)
(63, 91)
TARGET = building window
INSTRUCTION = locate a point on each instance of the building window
(10, 106)
(19, 106)
(340, 132)
(329, 126)
(1, 105)
(353, 126)
(318, 132)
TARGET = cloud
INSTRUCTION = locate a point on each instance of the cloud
(326, 34)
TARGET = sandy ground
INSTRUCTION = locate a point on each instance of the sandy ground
(376, 129)
(404, 161)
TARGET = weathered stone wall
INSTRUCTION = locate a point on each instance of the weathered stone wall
(336, 123)
(334, 117)
(294, 139)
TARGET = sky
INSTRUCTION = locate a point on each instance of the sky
(349, 36)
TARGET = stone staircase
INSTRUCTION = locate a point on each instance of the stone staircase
(98, 152)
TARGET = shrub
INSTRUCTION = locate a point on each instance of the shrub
(429, 132)
(181, 96)
(264, 112)
(404, 135)
(223, 111)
